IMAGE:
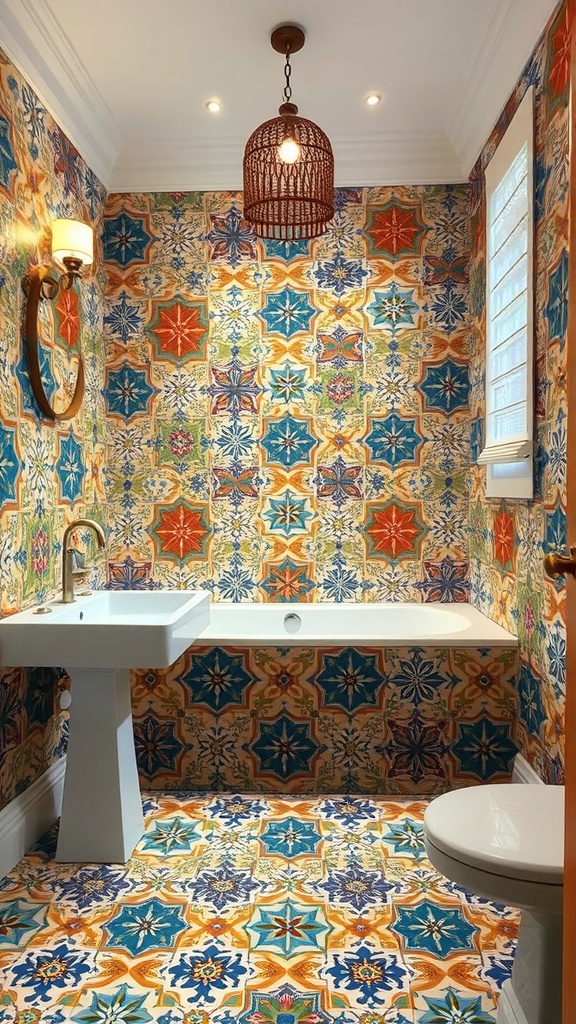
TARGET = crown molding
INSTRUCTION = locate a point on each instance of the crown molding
(464, 129)
(38, 45)
(485, 94)
(35, 39)
(391, 158)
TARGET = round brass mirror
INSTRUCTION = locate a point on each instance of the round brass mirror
(52, 339)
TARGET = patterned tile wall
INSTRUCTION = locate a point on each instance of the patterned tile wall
(341, 720)
(509, 539)
(49, 472)
(289, 421)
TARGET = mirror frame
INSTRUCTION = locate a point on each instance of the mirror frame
(38, 286)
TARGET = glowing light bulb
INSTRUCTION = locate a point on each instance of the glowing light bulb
(214, 106)
(372, 99)
(289, 151)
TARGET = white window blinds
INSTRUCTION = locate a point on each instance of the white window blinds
(509, 369)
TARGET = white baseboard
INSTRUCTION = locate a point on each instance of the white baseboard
(524, 772)
(26, 817)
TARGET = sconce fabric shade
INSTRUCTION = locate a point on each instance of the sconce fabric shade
(72, 239)
(288, 201)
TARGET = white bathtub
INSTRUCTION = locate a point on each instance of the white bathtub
(369, 625)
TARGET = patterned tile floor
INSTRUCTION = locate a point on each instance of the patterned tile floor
(256, 910)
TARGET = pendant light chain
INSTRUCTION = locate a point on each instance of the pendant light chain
(287, 94)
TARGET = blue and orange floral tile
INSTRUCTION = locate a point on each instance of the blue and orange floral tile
(417, 720)
(253, 909)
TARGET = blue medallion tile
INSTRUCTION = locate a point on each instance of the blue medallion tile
(340, 275)
(285, 747)
(484, 748)
(530, 707)
(140, 927)
(124, 319)
(406, 839)
(350, 680)
(288, 441)
(128, 391)
(288, 928)
(287, 313)
(394, 308)
(449, 308)
(157, 747)
(41, 693)
(126, 239)
(70, 469)
(445, 387)
(393, 440)
(290, 837)
(556, 310)
(174, 837)
(417, 678)
(427, 927)
(288, 514)
(217, 679)
(287, 385)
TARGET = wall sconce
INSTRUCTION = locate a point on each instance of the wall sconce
(72, 248)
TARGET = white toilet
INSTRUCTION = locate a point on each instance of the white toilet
(507, 843)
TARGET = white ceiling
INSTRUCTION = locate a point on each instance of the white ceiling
(127, 81)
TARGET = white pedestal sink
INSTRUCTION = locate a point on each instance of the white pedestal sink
(98, 639)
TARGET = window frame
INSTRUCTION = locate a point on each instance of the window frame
(510, 462)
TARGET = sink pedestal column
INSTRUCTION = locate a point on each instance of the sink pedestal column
(102, 816)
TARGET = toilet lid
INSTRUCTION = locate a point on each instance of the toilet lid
(511, 830)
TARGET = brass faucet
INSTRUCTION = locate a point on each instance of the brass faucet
(68, 555)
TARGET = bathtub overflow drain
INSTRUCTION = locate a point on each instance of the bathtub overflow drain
(292, 622)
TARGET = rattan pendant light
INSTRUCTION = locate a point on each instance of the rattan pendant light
(288, 165)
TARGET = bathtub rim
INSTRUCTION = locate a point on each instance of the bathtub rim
(480, 631)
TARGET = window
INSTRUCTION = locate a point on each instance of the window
(508, 438)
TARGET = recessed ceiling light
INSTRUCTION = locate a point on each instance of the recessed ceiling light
(372, 99)
(214, 106)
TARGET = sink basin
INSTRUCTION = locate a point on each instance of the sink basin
(107, 630)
